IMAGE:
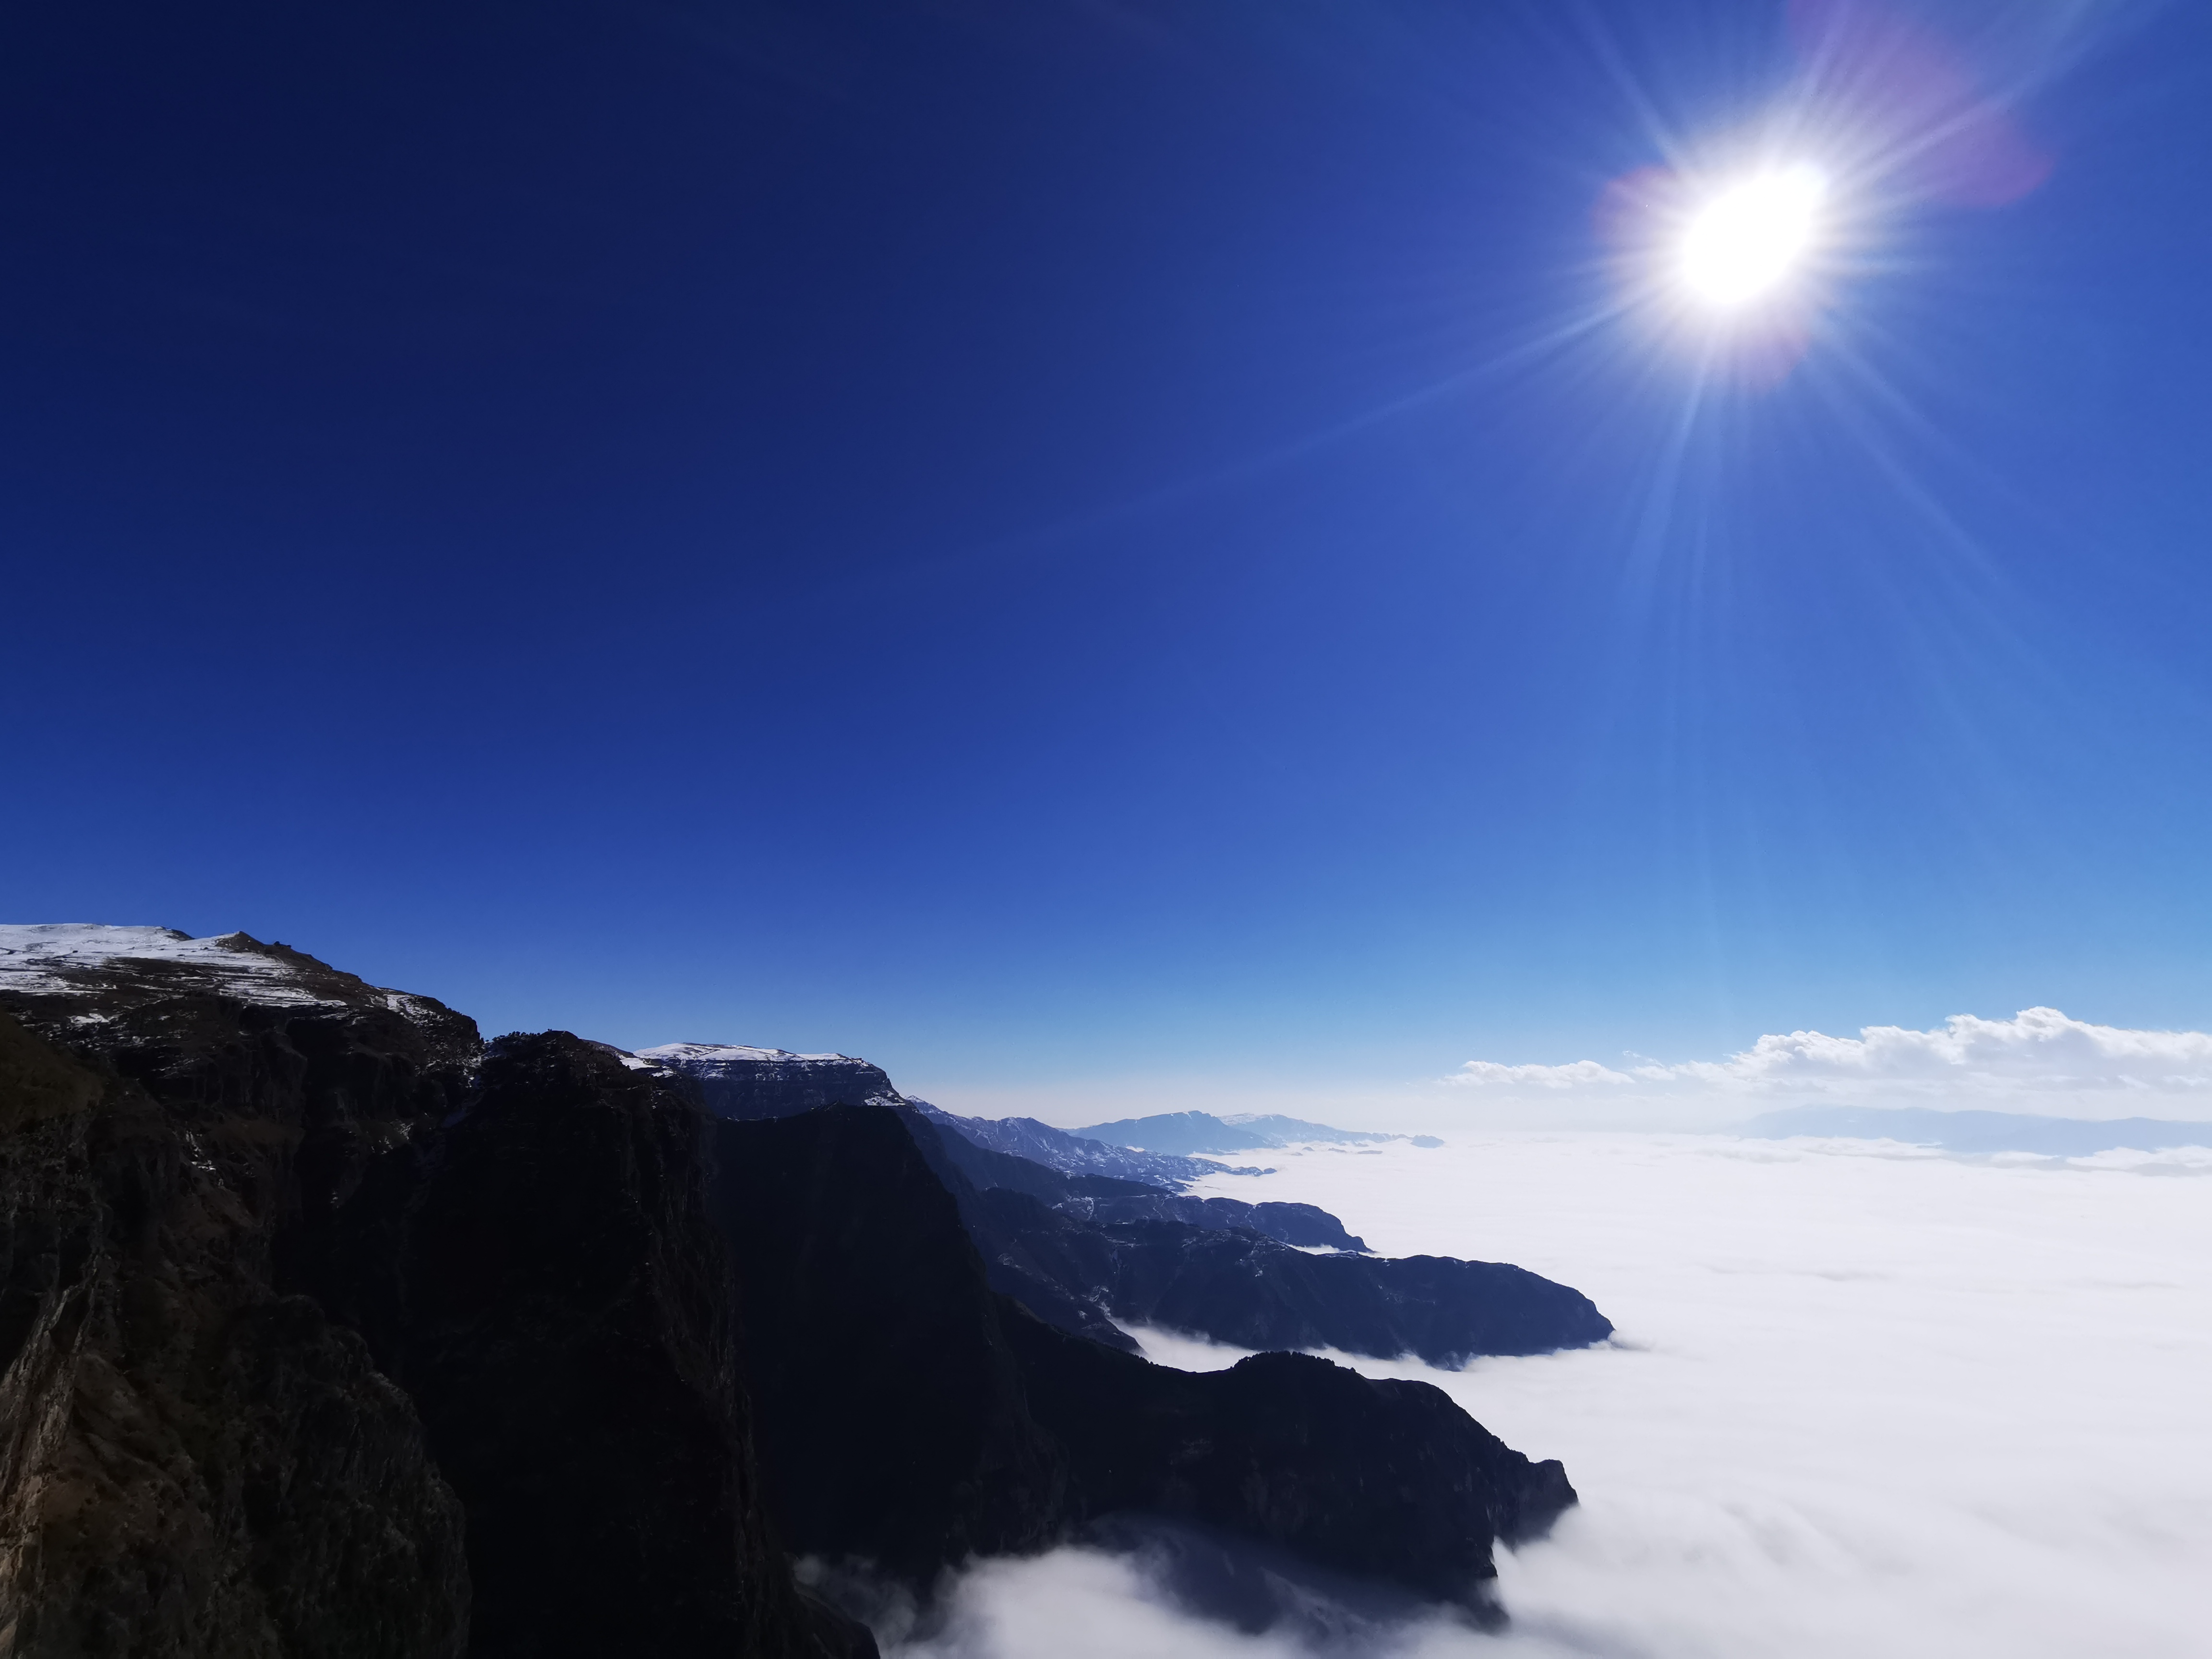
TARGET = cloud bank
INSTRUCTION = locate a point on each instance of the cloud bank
(2040, 1060)
(1862, 1401)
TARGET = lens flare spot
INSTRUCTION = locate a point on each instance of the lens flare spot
(1749, 238)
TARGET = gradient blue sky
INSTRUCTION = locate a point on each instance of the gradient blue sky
(1057, 545)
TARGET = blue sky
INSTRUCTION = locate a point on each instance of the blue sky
(1096, 552)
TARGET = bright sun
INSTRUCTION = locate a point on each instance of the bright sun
(1748, 238)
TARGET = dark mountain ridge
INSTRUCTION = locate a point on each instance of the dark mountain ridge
(739, 1082)
(242, 1195)
(1088, 1254)
(1238, 1288)
(1098, 1199)
(1073, 1154)
(923, 1417)
(344, 1333)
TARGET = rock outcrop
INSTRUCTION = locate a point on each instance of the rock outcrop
(1085, 1249)
(327, 1330)
(564, 1316)
(1098, 1199)
(739, 1082)
(1305, 1226)
(1240, 1287)
(921, 1418)
(242, 1197)
(198, 1459)
(1083, 1252)
(1073, 1154)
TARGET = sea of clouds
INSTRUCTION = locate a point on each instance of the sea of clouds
(1863, 1398)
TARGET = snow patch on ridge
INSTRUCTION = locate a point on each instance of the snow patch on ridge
(55, 958)
(730, 1054)
(85, 959)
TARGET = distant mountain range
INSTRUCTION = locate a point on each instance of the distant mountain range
(1085, 1234)
(1083, 1154)
(1978, 1132)
(742, 1082)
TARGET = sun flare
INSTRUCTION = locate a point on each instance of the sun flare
(1749, 239)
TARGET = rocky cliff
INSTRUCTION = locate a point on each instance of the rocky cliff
(327, 1330)
(1074, 1154)
(741, 1082)
(562, 1312)
(198, 1459)
(922, 1417)
(1083, 1250)
(315, 1339)
(1238, 1286)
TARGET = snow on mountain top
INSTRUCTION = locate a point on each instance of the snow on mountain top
(48, 960)
(62, 958)
(736, 1054)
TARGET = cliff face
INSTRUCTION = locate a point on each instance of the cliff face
(919, 1416)
(1238, 1286)
(745, 1083)
(1082, 1249)
(564, 1321)
(1072, 1154)
(326, 1330)
(198, 1460)
(243, 1199)
(896, 1430)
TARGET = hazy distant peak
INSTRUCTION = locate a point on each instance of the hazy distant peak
(1978, 1132)
(1072, 1153)
(1186, 1134)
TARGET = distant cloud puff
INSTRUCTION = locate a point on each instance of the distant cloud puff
(2040, 1059)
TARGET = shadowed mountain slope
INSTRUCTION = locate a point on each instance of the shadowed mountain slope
(1085, 1250)
(741, 1082)
(1075, 1154)
(1239, 1288)
(177, 1129)
(921, 1417)
(221, 1163)
(348, 1334)
(565, 1319)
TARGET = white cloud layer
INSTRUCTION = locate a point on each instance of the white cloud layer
(1862, 1401)
(2040, 1060)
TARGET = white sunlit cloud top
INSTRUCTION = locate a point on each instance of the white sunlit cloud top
(2038, 1061)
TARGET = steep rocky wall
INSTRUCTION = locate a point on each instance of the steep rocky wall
(564, 1321)
(326, 1332)
(197, 1462)
(912, 1416)
(1241, 1288)
(242, 1197)
(893, 1421)
(743, 1083)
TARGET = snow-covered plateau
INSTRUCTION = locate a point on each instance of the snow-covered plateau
(63, 959)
